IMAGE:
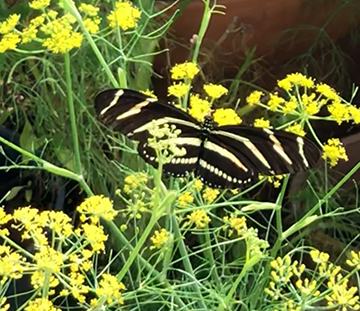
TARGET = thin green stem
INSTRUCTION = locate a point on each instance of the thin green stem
(186, 261)
(72, 115)
(70, 6)
(154, 218)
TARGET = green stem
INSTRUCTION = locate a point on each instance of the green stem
(154, 218)
(70, 6)
(72, 115)
(186, 261)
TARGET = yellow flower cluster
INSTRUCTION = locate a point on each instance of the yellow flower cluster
(337, 294)
(333, 151)
(215, 90)
(10, 38)
(50, 266)
(296, 128)
(160, 238)
(199, 218)
(262, 123)
(185, 199)
(235, 224)
(125, 15)
(210, 194)
(226, 116)
(60, 34)
(305, 98)
(187, 70)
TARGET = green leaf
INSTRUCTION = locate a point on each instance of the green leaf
(28, 141)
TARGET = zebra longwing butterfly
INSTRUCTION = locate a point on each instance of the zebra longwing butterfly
(221, 156)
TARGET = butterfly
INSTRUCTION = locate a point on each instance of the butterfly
(221, 156)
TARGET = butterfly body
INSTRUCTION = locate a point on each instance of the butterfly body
(221, 156)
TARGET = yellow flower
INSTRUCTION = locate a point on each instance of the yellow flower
(312, 107)
(334, 151)
(262, 123)
(275, 101)
(160, 238)
(198, 185)
(199, 108)
(274, 180)
(28, 34)
(38, 280)
(319, 257)
(88, 9)
(97, 206)
(149, 94)
(308, 288)
(94, 235)
(10, 23)
(234, 223)
(185, 199)
(355, 113)
(134, 181)
(341, 296)
(339, 112)
(9, 42)
(11, 264)
(78, 289)
(110, 289)
(296, 129)
(49, 260)
(254, 97)
(215, 90)
(38, 20)
(296, 79)
(39, 4)
(210, 194)
(355, 259)
(199, 218)
(3, 306)
(290, 105)
(92, 24)
(178, 89)
(40, 304)
(327, 92)
(185, 70)
(124, 16)
(226, 116)
(59, 222)
(61, 36)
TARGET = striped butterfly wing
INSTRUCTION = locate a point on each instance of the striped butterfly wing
(179, 166)
(235, 155)
(132, 114)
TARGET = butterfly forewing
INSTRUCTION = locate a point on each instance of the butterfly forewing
(132, 113)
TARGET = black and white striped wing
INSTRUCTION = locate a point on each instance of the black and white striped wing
(235, 155)
(179, 166)
(132, 113)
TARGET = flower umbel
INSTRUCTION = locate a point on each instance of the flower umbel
(226, 116)
(199, 218)
(334, 151)
(215, 90)
(186, 70)
(125, 15)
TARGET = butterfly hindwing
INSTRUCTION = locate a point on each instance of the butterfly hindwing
(178, 166)
(269, 151)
